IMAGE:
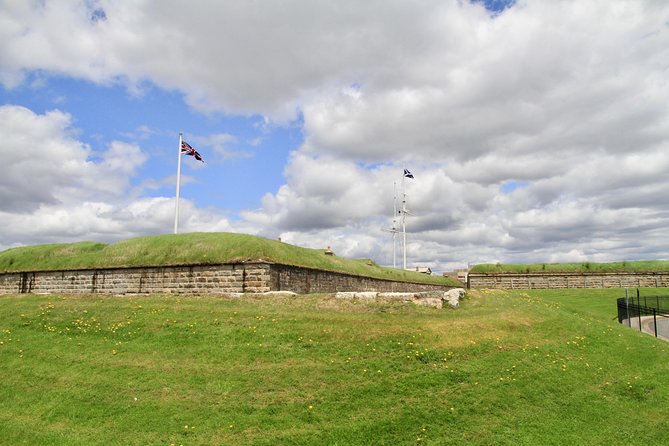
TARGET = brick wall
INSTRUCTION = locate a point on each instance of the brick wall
(198, 279)
(568, 280)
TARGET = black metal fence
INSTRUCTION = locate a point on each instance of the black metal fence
(649, 314)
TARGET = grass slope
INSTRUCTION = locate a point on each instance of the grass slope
(640, 266)
(192, 249)
(506, 368)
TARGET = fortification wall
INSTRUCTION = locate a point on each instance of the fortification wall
(198, 279)
(568, 280)
(233, 278)
(306, 280)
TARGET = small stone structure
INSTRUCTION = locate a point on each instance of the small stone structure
(248, 277)
(567, 280)
(434, 299)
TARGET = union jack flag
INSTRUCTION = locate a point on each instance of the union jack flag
(188, 150)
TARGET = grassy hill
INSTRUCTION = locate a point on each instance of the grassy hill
(585, 267)
(194, 249)
(506, 368)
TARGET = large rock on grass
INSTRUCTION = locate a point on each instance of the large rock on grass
(453, 297)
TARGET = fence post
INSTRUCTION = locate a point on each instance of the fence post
(627, 307)
(655, 320)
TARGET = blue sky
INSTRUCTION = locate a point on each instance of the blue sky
(536, 130)
(154, 116)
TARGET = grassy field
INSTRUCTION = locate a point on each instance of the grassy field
(640, 266)
(506, 368)
(195, 249)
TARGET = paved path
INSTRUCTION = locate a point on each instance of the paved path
(648, 325)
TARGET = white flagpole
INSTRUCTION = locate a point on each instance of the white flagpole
(404, 224)
(394, 226)
(176, 207)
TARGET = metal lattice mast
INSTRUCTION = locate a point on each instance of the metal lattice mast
(393, 229)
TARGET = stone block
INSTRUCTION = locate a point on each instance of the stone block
(434, 302)
(405, 297)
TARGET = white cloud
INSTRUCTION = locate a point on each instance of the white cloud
(570, 98)
(54, 188)
(324, 192)
(221, 143)
(45, 164)
(100, 221)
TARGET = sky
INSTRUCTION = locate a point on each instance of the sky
(537, 131)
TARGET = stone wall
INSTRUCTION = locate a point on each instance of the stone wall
(568, 280)
(306, 280)
(233, 278)
(198, 279)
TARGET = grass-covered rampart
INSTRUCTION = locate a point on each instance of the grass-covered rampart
(640, 266)
(506, 368)
(194, 249)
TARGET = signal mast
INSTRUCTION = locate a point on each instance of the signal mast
(402, 212)
(394, 229)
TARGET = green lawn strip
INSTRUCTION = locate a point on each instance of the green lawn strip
(638, 266)
(195, 249)
(507, 367)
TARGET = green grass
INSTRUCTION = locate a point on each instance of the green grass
(192, 249)
(640, 266)
(506, 368)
